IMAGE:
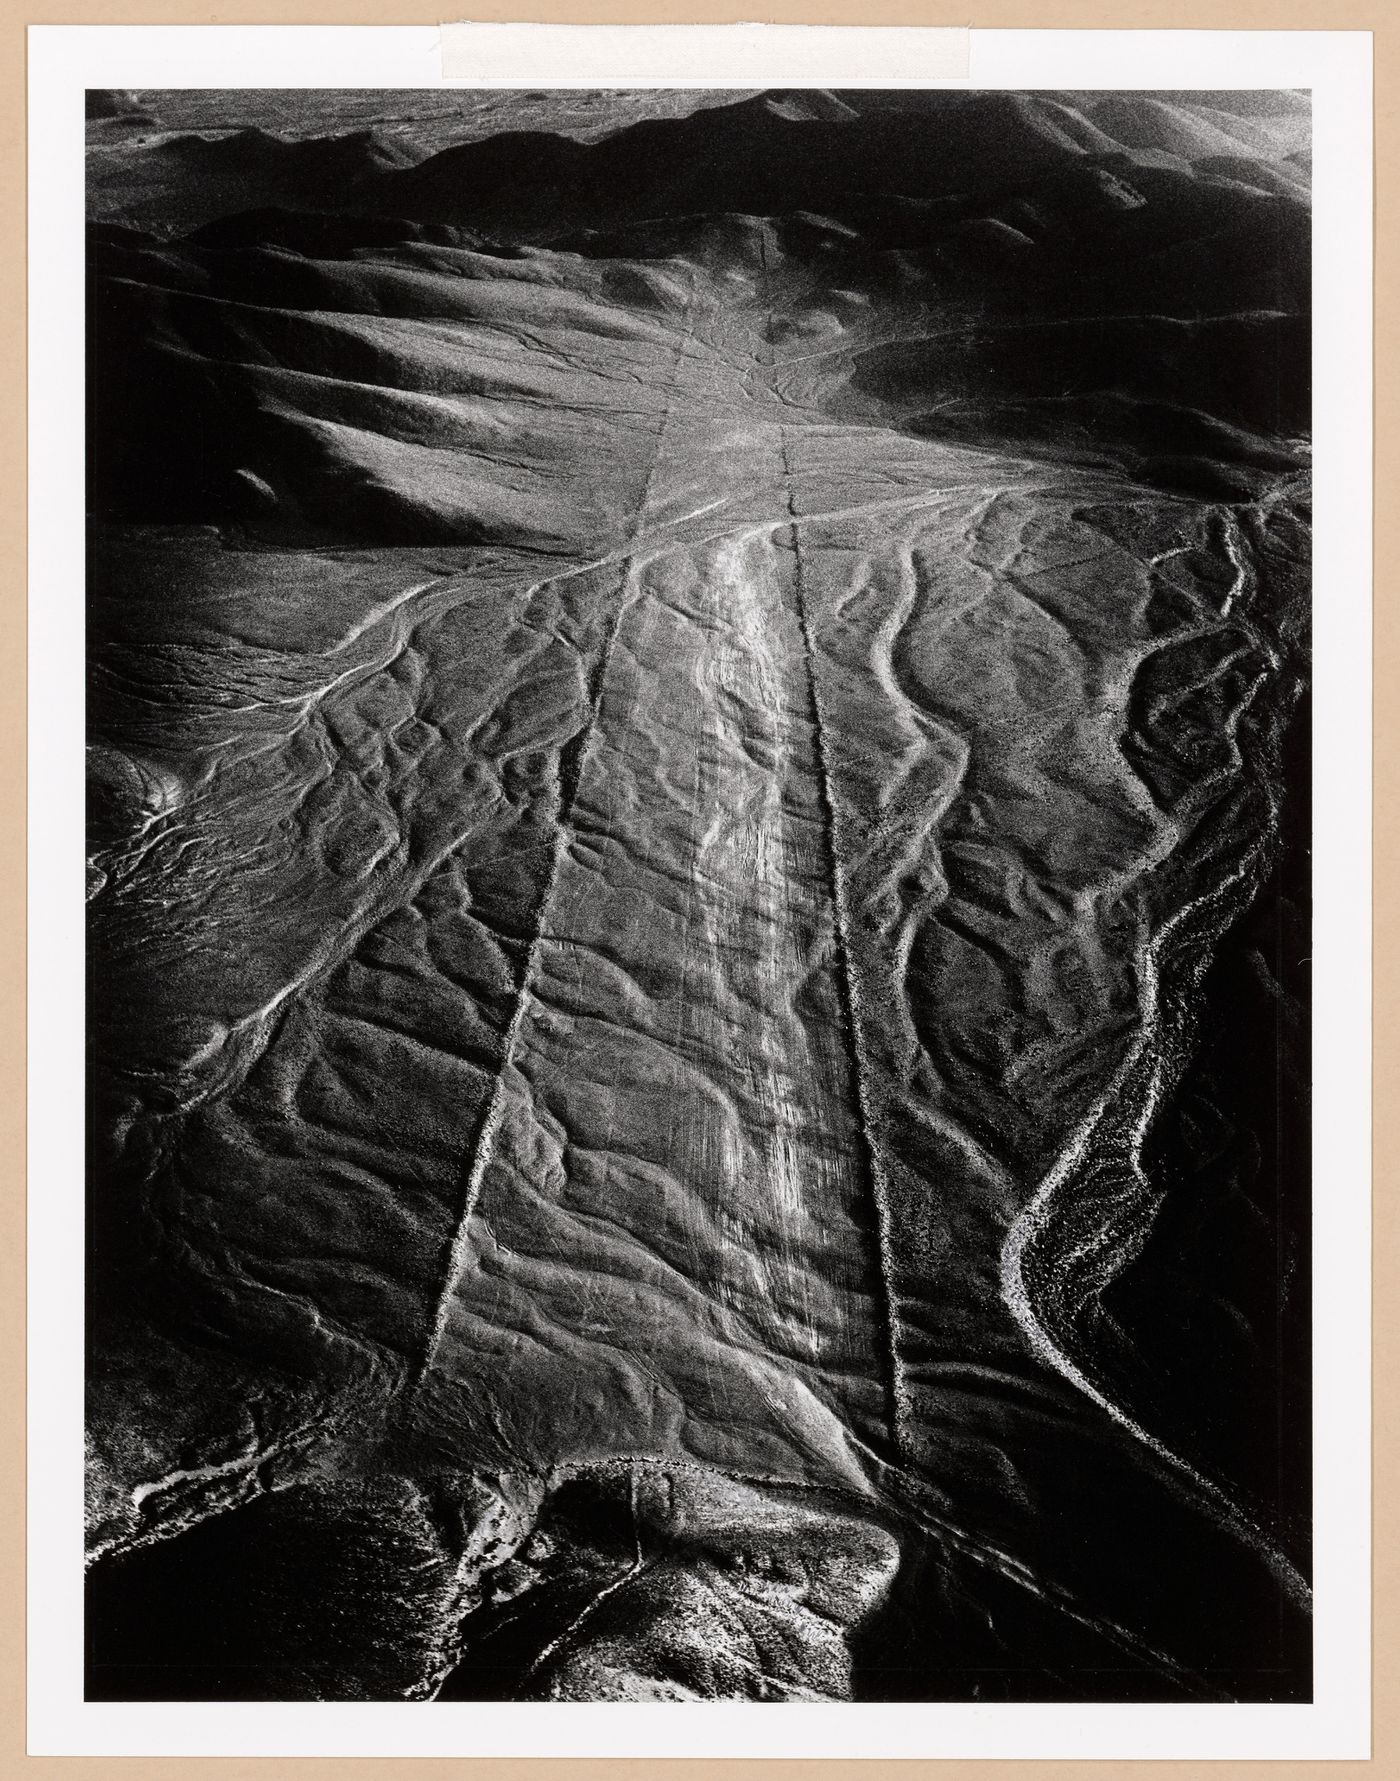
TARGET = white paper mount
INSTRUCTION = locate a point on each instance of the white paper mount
(741, 56)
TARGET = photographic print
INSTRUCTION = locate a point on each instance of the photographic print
(698, 911)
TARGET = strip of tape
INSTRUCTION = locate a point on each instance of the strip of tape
(743, 56)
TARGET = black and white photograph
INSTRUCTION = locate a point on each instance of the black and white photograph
(698, 737)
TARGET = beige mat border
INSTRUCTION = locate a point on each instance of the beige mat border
(1377, 16)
